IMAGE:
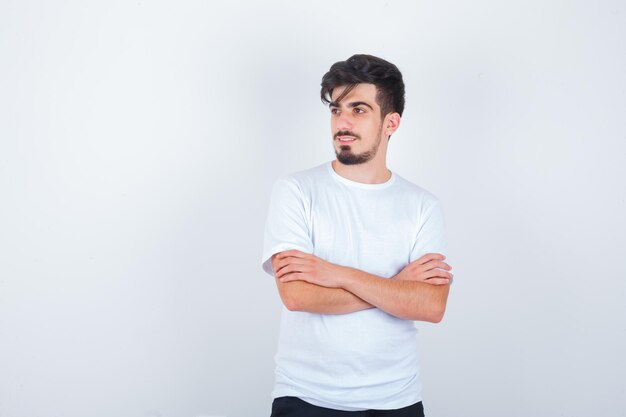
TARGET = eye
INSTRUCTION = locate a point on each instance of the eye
(359, 110)
(334, 110)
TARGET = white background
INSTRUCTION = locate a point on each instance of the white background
(139, 141)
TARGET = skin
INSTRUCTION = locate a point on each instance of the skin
(359, 114)
(309, 283)
(418, 292)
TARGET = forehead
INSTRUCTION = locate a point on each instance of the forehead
(360, 92)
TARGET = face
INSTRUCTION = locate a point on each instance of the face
(356, 124)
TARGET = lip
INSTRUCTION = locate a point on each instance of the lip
(346, 139)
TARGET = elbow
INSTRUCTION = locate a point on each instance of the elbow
(432, 315)
(289, 296)
(437, 306)
(291, 301)
(436, 317)
(437, 313)
(291, 304)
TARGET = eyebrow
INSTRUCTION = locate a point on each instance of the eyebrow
(352, 104)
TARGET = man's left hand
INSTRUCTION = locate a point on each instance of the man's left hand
(294, 265)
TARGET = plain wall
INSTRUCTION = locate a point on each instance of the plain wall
(139, 142)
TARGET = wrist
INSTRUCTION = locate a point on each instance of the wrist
(348, 277)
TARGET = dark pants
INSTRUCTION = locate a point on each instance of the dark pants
(295, 407)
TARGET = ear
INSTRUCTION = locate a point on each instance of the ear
(392, 123)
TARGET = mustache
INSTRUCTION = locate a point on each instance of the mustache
(345, 133)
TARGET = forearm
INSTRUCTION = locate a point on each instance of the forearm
(324, 287)
(304, 296)
(404, 299)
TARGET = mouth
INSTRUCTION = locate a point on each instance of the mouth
(344, 140)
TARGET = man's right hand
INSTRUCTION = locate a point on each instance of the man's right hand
(430, 269)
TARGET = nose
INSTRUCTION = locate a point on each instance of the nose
(344, 121)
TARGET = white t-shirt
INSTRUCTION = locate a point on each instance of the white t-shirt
(367, 359)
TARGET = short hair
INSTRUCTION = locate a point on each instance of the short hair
(366, 69)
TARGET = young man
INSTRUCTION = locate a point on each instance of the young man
(356, 251)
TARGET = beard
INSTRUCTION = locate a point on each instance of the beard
(347, 157)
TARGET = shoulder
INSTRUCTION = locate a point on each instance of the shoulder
(300, 186)
(303, 181)
(414, 193)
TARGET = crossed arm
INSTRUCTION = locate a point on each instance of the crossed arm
(309, 283)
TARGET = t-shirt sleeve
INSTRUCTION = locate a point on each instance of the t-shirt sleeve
(286, 226)
(431, 236)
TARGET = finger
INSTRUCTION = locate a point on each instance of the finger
(437, 281)
(420, 276)
(429, 257)
(292, 252)
(297, 264)
(436, 264)
(437, 273)
(432, 265)
(291, 268)
(285, 271)
(292, 261)
(296, 276)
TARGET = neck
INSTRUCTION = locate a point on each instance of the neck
(367, 173)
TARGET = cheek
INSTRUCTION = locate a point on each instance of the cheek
(373, 127)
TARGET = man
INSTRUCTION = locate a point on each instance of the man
(356, 251)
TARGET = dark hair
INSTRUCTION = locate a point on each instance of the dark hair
(366, 69)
